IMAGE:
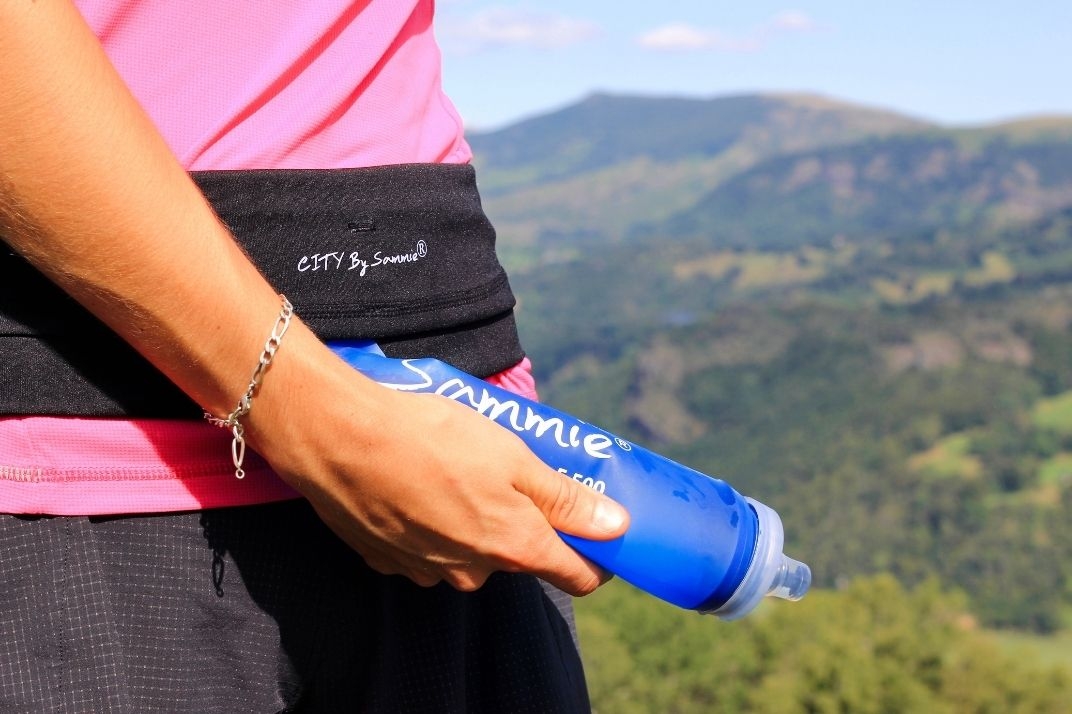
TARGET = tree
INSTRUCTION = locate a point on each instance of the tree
(873, 648)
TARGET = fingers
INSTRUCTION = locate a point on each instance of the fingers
(533, 548)
(550, 558)
(387, 558)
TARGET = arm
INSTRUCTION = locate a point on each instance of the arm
(91, 195)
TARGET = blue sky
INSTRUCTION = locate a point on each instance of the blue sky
(956, 62)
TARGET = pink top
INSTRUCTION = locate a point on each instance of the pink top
(248, 84)
(239, 84)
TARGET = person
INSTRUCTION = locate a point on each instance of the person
(195, 196)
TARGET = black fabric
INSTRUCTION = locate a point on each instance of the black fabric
(262, 609)
(400, 254)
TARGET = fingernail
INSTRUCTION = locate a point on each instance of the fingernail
(608, 516)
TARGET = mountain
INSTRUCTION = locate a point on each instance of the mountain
(605, 130)
(609, 161)
(614, 168)
(862, 319)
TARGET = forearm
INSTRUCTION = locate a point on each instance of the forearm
(92, 196)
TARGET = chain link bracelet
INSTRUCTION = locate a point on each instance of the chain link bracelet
(238, 444)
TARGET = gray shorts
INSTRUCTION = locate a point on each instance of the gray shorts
(261, 609)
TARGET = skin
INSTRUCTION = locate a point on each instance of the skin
(90, 193)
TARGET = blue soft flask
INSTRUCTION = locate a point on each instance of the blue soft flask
(692, 541)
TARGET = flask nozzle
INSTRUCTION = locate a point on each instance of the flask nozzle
(791, 581)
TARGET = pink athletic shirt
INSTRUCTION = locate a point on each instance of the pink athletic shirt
(248, 84)
(239, 84)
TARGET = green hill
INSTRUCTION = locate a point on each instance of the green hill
(890, 188)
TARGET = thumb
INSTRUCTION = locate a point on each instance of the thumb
(575, 509)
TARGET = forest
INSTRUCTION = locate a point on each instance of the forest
(861, 320)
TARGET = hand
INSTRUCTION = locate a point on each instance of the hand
(424, 487)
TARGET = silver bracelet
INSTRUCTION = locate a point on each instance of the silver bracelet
(238, 444)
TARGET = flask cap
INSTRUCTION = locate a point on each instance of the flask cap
(771, 572)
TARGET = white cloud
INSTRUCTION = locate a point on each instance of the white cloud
(514, 27)
(683, 37)
(793, 21)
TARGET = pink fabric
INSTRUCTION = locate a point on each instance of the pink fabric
(246, 84)
(518, 379)
(73, 466)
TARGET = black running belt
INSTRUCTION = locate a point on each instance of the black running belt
(402, 254)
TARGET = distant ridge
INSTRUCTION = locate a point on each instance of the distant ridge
(758, 170)
(604, 129)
